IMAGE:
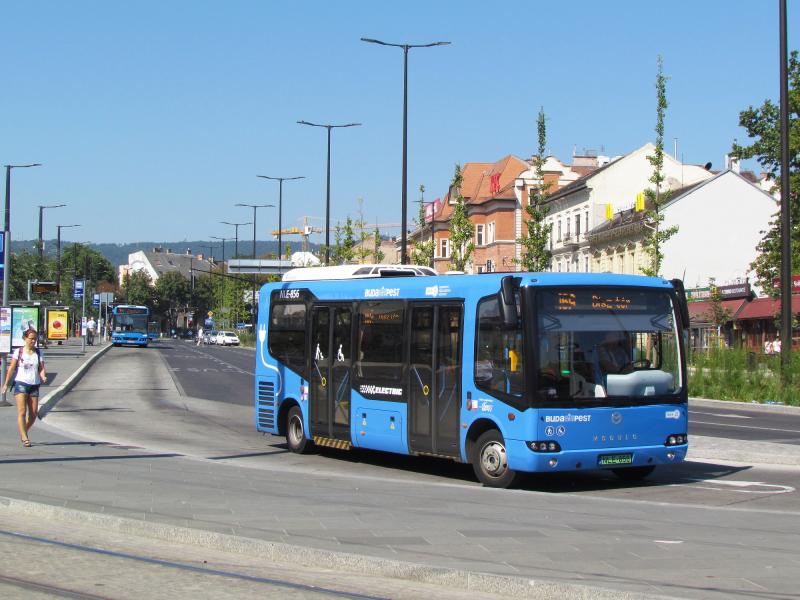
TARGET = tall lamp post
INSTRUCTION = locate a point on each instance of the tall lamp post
(223, 240)
(786, 215)
(255, 208)
(406, 48)
(236, 225)
(41, 210)
(58, 255)
(328, 195)
(280, 207)
(7, 254)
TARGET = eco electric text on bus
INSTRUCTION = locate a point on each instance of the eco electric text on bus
(524, 372)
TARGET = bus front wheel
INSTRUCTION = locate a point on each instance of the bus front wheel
(295, 433)
(490, 462)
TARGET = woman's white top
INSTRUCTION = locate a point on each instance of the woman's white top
(28, 367)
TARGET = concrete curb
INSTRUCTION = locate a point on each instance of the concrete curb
(47, 403)
(782, 409)
(509, 585)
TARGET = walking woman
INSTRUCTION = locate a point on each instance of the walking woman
(28, 364)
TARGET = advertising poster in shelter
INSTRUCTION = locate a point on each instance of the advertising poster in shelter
(57, 321)
(22, 319)
(5, 329)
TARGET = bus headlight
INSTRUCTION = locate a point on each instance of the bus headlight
(545, 446)
(676, 439)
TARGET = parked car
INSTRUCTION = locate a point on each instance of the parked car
(210, 336)
(227, 338)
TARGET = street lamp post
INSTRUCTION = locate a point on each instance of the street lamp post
(406, 48)
(280, 208)
(41, 210)
(328, 195)
(7, 256)
(58, 255)
(255, 208)
(223, 240)
(236, 225)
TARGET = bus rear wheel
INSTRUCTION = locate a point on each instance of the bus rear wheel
(633, 473)
(295, 432)
(490, 462)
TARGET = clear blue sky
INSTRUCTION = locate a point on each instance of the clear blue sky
(175, 107)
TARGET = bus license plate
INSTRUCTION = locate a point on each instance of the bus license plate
(608, 460)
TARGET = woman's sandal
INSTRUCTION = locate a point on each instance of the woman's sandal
(26, 443)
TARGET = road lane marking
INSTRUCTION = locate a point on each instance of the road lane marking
(740, 486)
(725, 416)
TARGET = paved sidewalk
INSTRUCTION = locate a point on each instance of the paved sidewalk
(65, 365)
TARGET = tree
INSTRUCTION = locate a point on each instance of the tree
(344, 250)
(377, 254)
(27, 266)
(422, 253)
(657, 235)
(461, 228)
(362, 251)
(138, 289)
(535, 252)
(763, 126)
(172, 294)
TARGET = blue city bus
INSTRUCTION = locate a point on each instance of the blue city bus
(129, 325)
(523, 372)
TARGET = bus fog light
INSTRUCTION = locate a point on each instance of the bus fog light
(671, 455)
(552, 462)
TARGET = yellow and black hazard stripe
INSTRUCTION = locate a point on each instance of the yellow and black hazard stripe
(331, 443)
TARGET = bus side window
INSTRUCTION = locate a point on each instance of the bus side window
(500, 362)
(287, 335)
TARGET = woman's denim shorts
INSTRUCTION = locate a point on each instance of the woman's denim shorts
(26, 388)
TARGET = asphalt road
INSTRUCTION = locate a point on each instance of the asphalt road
(226, 374)
(699, 530)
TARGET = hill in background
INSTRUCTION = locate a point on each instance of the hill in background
(117, 254)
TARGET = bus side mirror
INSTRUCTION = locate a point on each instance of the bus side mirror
(509, 286)
(683, 304)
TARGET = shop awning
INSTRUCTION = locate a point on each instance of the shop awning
(765, 308)
(700, 312)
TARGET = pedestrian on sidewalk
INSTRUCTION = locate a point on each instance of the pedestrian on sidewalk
(27, 368)
(91, 327)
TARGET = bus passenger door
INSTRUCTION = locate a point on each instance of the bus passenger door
(329, 379)
(434, 378)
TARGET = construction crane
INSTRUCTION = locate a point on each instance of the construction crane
(305, 232)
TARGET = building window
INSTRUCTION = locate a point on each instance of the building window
(479, 235)
(558, 239)
(490, 233)
(444, 248)
(586, 262)
(578, 225)
(489, 266)
(481, 269)
(586, 220)
(567, 236)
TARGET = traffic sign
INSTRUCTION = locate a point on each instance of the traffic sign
(96, 300)
(77, 291)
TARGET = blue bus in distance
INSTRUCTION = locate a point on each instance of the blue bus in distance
(129, 325)
(512, 373)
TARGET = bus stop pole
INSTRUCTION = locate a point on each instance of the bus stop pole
(83, 319)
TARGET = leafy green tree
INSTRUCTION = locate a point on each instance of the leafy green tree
(27, 266)
(362, 250)
(461, 228)
(137, 288)
(535, 252)
(656, 234)
(172, 294)
(422, 253)
(344, 250)
(377, 254)
(763, 127)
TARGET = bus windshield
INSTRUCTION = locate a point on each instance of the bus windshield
(130, 323)
(616, 343)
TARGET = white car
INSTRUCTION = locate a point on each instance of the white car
(210, 336)
(226, 338)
